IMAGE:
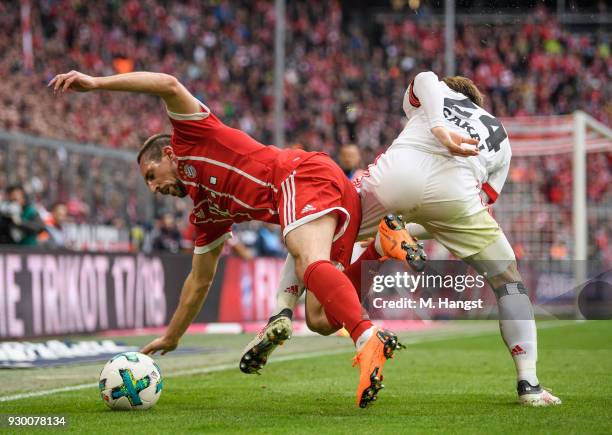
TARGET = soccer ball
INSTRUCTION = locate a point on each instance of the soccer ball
(130, 380)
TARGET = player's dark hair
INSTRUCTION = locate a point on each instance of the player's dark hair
(466, 87)
(153, 147)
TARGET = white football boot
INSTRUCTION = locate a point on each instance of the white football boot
(535, 396)
(275, 333)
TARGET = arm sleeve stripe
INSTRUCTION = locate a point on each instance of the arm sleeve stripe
(491, 193)
(414, 101)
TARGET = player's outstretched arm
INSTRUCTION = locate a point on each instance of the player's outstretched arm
(193, 295)
(177, 98)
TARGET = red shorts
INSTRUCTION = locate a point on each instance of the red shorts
(315, 188)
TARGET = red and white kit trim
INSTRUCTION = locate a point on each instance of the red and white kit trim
(308, 206)
(288, 188)
(230, 168)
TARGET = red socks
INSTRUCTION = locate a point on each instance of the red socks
(337, 295)
(353, 272)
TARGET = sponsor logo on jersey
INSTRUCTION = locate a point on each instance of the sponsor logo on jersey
(207, 211)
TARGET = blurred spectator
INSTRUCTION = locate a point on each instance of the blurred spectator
(53, 236)
(237, 247)
(344, 83)
(222, 52)
(138, 238)
(9, 211)
(349, 158)
(269, 242)
(20, 222)
(166, 237)
(243, 241)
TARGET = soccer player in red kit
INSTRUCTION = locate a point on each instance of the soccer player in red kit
(233, 178)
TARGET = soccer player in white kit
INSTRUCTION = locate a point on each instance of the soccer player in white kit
(448, 197)
(444, 187)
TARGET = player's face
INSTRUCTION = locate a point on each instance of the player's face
(161, 177)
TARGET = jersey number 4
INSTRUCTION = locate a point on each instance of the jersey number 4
(497, 133)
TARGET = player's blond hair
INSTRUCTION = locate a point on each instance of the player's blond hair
(466, 87)
(153, 147)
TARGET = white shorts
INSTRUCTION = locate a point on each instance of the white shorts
(439, 192)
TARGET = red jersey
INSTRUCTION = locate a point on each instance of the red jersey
(229, 176)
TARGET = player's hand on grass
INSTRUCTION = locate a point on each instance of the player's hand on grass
(456, 144)
(73, 80)
(165, 344)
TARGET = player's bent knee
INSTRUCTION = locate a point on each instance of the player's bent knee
(305, 259)
(316, 319)
(508, 276)
(320, 325)
(311, 242)
(302, 265)
(496, 262)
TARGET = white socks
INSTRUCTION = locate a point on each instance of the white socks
(364, 337)
(288, 297)
(519, 332)
(526, 370)
(289, 288)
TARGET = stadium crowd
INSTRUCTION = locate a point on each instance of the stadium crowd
(344, 83)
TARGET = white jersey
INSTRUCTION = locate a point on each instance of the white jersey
(444, 107)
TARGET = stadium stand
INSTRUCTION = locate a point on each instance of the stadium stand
(217, 51)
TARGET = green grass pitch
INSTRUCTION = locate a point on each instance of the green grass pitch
(457, 378)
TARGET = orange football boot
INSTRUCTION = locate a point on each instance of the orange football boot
(397, 243)
(371, 359)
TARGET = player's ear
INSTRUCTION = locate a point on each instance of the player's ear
(169, 152)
